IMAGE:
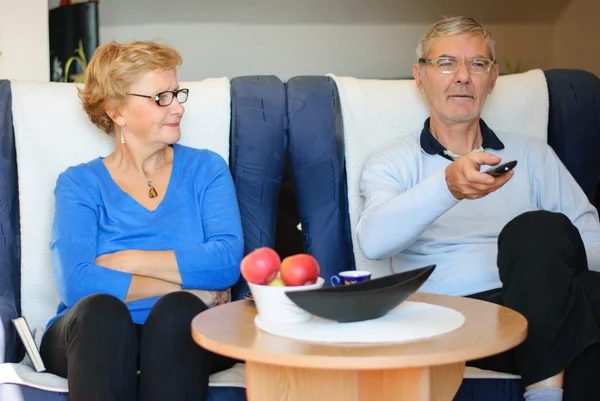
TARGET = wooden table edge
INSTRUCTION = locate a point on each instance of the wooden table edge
(377, 362)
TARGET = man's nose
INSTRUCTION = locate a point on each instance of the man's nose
(462, 75)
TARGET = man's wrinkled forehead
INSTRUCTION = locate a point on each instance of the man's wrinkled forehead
(457, 45)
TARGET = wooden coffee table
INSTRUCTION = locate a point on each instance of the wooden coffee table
(284, 369)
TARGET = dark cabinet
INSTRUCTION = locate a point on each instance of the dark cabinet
(73, 32)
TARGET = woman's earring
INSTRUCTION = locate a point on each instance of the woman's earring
(122, 136)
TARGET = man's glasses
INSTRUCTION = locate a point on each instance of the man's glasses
(164, 99)
(449, 65)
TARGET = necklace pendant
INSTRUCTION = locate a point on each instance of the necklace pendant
(152, 192)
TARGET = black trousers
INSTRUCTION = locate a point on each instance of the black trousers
(544, 273)
(99, 349)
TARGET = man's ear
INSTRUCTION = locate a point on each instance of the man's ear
(417, 75)
(495, 74)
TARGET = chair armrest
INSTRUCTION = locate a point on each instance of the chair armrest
(8, 334)
(10, 239)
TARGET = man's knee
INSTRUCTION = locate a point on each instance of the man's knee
(537, 220)
(534, 242)
(537, 228)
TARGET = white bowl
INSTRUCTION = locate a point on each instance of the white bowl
(274, 306)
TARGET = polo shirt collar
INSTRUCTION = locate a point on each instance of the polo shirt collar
(431, 146)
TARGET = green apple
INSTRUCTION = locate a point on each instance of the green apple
(277, 282)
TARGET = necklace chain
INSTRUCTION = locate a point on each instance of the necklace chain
(454, 156)
(152, 193)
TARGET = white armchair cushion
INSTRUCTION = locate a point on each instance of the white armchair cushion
(52, 132)
(375, 112)
(24, 374)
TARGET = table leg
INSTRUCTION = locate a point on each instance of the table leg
(281, 383)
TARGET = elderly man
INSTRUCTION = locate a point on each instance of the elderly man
(528, 239)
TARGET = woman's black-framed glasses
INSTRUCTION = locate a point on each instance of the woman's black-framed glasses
(164, 99)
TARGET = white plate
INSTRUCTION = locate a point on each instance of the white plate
(409, 321)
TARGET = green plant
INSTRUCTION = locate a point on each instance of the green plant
(81, 60)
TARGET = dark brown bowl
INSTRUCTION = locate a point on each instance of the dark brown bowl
(362, 301)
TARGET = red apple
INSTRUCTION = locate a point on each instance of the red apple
(301, 269)
(260, 266)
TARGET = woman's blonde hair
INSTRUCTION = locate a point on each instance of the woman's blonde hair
(113, 69)
(451, 26)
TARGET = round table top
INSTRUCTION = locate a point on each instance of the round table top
(488, 329)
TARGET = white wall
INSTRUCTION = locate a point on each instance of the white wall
(577, 37)
(24, 40)
(382, 51)
(291, 12)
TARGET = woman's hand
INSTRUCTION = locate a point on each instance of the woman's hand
(161, 265)
(117, 261)
(223, 297)
(212, 298)
(124, 261)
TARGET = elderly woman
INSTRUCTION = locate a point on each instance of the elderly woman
(143, 240)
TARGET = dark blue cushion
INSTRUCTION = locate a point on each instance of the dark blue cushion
(226, 394)
(14, 392)
(10, 238)
(574, 125)
(490, 390)
(257, 157)
(316, 151)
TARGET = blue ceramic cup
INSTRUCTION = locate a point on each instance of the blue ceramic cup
(350, 277)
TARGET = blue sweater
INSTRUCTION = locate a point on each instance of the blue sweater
(198, 218)
(411, 217)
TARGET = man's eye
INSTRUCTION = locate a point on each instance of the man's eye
(446, 62)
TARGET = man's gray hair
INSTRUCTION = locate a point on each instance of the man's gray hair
(450, 26)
